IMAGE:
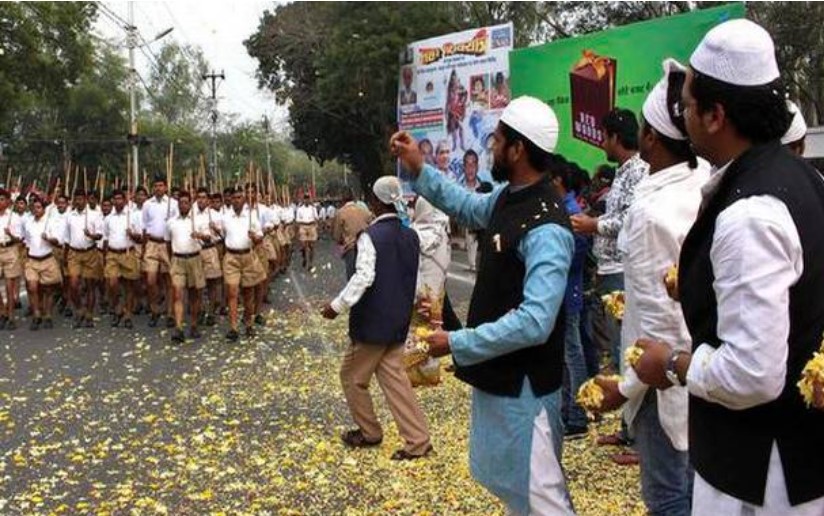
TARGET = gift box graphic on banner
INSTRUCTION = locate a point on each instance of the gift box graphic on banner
(592, 87)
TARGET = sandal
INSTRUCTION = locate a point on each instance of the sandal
(356, 439)
(405, 455)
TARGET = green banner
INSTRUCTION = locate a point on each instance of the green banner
(584, 78)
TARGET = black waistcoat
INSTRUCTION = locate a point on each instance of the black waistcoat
(500, 288)
(730, 449)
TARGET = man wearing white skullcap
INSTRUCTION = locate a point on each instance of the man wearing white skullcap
(796, 135)
(665, 206)
(512, 350)
(380, 295)
(750, 281)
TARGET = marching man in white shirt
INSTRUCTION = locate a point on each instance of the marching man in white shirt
(209, 254)
(307, 219)
(241, 267)
(84, 228)
(665, 206)
(11, 268)
(123, 229)
(42, 270)
(185, 239)
(156, 212)
(750, 283)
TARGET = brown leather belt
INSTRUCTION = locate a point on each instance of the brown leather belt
(207, 246)
(40, 258)
(186, 256)
(8, 244)
(237, 251)
(155, 240)
(78, 250)
(118, 251)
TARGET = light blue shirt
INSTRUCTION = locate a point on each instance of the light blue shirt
(547, 255)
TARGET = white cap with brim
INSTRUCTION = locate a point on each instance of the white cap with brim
(738, 52)
(798, 127)
(388, 190)
(533, 119)
(656, 111)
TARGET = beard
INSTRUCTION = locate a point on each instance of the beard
(500, 171)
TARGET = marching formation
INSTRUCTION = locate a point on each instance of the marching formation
(133, 253)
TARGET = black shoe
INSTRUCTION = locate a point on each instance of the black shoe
(250, 331)
(3, 321)
(404, 455)
(35, 324)
(209, 320)
(11, 325)
(116, 320)
(177, 336)
(89, 323)
(78, 323)
(232, 336)
(573, 433)
(128, 324)
(194, 333)
(170, 322)
(47, 323)
(153, 320)
(259, 320)
(68, 312)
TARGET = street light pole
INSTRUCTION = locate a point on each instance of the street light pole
(131, 40)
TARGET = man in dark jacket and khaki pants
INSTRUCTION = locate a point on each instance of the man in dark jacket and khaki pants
(381, 295)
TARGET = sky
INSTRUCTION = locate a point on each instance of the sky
(219, 29)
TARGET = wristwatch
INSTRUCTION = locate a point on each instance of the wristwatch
(671, 373)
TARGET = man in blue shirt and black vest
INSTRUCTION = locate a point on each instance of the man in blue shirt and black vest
(512, 351)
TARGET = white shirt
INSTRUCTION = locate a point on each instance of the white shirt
(33, 231)
(665, 207)
(364, 271)
(203, 220)
(155, 215)
(330, 212)
(265, 216)
(236, 230)
(757, 257)
(179, 231)
(13, 222)
(289, 214)
(57, 225)
(77, 222)
(115, 225)
(306, 214)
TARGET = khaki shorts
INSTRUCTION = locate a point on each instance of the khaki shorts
(290, 232)
(308, 232)
(122, 265)
(85, 264)
(262, 255)
(269, 243)
(211, 263)
(59, 255)
(188, 272)
(243, 269)
(10, 264)
(138, 251)
(44, 272)
(283, 238)
(156, 257)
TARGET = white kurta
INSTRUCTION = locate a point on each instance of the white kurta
(665, 207)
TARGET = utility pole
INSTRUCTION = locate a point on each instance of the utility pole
(268, 155)
(213, 77)
(131, 41)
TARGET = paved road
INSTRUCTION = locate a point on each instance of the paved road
(109, 419)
